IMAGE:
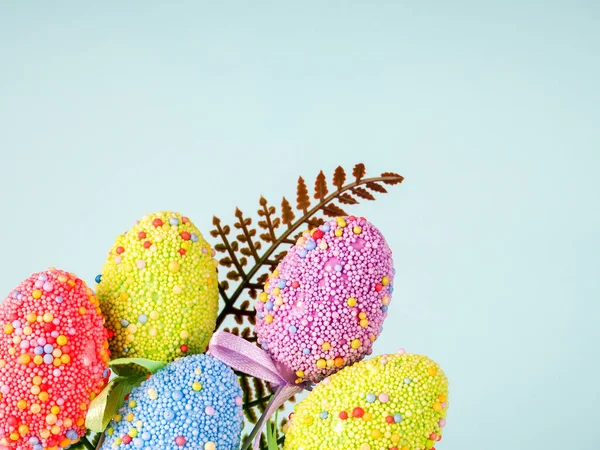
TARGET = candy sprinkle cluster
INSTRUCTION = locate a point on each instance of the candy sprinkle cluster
(325, 304)
(53, 361)
(391, 402)
(193, 403)
(158, 289)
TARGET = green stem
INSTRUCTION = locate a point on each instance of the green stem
(258, 427)
(101, 440)
(87, 443)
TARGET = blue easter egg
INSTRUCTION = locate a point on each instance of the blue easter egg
(192, 403)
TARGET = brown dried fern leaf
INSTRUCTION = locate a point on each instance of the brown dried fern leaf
(377, 187)
(339, 178)
(321, 186)
(359, 171)
(248, 263)
(302, 196)
(363, 193)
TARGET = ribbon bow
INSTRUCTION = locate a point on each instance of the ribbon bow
(246, 357)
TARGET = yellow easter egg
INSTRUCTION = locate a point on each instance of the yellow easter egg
(390, 401)
(158, 289)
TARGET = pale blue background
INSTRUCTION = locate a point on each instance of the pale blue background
(489, 109)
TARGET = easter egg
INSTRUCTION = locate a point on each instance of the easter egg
(53, 361)
(158, 289)
(193, 403)
(325, 304)
(387, 402)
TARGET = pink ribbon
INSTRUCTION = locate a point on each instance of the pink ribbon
(246, 357)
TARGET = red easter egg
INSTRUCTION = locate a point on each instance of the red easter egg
(53, 360)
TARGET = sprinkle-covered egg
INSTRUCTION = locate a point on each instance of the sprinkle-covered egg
(53, 361)
(193, 403)
(324, 305)
(158, 289)
(395, 402)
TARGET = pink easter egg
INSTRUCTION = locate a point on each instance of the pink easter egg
(325, 304)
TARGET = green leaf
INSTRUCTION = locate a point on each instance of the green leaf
(84, 443)
(271, 439)
(272, 434)
(93, 438)
(105, 406)
(78, 446)
(127, 367)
